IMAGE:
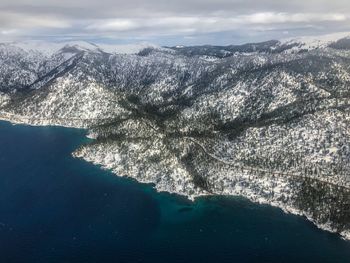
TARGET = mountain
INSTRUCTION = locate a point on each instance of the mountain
(268, 121)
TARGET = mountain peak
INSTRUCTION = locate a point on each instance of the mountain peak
(312, 42)
(259, 120)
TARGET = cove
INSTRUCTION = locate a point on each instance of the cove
(55, 208)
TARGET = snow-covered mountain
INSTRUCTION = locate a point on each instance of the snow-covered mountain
(268, 121)
(49, 48)
(315, 42)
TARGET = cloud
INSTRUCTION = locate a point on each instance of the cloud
(176, 21)
(273, 18)
(114, 25)
(180, 25)
(23, 20)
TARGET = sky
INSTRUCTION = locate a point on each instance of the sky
(170, 22)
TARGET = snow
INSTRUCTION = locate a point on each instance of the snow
(48, 48)
(126, 49)
(312, 42)
(82, 98)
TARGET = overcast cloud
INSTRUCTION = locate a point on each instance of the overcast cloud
(171, 22)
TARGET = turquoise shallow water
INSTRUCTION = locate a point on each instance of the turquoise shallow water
(54, 208)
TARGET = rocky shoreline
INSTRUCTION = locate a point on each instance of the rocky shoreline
(244, 184)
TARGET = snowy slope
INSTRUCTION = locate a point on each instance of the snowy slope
(268, 121)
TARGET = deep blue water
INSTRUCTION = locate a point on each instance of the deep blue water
(54, 208)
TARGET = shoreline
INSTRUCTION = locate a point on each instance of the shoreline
(20, 120)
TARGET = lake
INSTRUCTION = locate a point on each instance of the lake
(55, 208)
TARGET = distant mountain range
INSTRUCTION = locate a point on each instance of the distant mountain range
(268, 121)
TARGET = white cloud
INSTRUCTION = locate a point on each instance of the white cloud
(114, 25)
(205, 24)
(270, 18)
(20, 20)
(179, 19)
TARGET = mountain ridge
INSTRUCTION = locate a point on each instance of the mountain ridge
(268, 121)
